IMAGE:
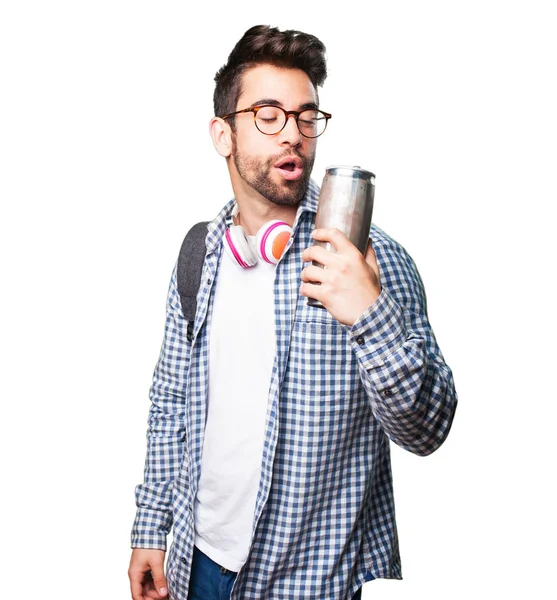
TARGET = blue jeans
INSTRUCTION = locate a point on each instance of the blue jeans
(210, 581)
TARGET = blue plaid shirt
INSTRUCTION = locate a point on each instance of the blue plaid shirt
(324, 519)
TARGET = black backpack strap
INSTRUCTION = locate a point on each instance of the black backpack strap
(190, 266)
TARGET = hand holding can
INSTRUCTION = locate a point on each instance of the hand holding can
(345, 202)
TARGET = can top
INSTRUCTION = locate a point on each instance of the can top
(350, 171)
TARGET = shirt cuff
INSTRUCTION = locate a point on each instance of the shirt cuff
(379, 331)
(150, 529)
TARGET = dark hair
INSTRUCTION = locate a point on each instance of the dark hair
(263, 44)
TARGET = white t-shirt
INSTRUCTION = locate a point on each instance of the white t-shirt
(242, 349)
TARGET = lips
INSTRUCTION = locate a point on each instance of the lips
(290, 167)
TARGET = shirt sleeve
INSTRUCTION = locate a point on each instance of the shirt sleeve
(166, 430)
(409, 385)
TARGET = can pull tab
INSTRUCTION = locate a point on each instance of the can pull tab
(357, 167)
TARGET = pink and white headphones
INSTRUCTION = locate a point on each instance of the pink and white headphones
(269, 245)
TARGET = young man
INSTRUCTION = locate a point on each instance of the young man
(268, 442)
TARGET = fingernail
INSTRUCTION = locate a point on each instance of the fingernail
(163, 591)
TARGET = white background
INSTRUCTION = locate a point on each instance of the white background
(106, 161)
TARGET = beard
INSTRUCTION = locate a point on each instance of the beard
(257, 173)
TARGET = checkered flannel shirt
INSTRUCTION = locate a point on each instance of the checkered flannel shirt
(324, 519)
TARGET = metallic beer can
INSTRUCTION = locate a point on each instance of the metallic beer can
(345, 202)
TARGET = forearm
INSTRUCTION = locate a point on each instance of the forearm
(165, 434)
(153, 519)
(410, 388)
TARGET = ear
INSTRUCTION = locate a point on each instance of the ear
(221, 135)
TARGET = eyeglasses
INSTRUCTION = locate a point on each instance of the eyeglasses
(270, 119)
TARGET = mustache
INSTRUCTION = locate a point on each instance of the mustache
(306, 160)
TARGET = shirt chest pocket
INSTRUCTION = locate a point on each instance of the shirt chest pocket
(321, 397)
(320, 358)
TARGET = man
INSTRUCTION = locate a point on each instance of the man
(268, 442)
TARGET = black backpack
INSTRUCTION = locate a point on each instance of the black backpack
(190, 266)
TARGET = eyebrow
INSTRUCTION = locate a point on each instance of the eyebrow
(273, 102)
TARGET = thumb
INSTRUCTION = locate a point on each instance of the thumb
(371, 259)
(157, 571)
(370, 252)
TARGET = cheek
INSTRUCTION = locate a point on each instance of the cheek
(256, 147)
(309, 146)
(246, 140)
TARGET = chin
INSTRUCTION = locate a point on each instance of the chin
(286, 193)
(292, 196)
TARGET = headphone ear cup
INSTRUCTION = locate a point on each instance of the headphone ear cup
(238, 248)
(271, 240)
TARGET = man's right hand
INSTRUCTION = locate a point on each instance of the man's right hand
(146, 574)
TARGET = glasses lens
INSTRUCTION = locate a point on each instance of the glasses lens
(312, 123)
(269, 119)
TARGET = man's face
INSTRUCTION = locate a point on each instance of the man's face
(258, 159)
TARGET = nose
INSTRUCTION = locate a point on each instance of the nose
(290, 134)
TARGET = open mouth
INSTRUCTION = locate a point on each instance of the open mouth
(290, 167)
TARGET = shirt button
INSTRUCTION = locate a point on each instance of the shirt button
(183, 559)
(387, 393)
(208, 282)
(360, 340)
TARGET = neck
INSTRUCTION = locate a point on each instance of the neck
(251, 217)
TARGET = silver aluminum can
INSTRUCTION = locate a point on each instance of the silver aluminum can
(345, 202)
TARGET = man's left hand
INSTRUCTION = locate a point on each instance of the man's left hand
(350, 282)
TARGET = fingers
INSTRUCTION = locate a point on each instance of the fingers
(136, 585)
(339, 242)
(335, 237)
(152, 594)
(159, 579)
(146, 573)
(318, 254)
(151, 590)
(313, 273)
(310, 290)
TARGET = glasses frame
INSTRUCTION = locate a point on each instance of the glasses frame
(287, 113)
